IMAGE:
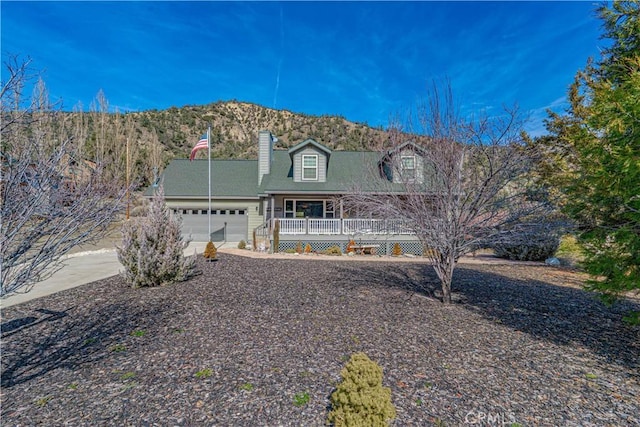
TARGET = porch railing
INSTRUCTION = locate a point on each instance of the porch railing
(348, 226)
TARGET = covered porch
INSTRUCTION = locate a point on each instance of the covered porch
(340, 226)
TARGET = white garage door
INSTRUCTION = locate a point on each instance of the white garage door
(232, 221)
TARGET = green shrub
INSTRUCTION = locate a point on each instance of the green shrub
(535, 248)
(570, 249)
(333, 250)
(360, 399)
(242, 244)
(152, 248)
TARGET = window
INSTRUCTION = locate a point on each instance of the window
(408, 167)
(310, 167)
(304, 209)
(241, 212)
(289, 211)
(203, 212)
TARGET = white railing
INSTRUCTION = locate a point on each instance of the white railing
(323, 226)
(350, 226)
(293, 226)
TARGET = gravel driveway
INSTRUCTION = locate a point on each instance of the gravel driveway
(248, 340)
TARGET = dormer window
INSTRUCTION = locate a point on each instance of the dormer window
(408, 167)
(309, 167)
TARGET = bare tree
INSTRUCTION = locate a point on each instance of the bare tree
(52, 199)
(459, 184)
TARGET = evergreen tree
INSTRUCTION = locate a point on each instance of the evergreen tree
(599, 142)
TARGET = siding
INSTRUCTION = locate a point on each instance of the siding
(397, 165)
(297, 164)
(265, 147)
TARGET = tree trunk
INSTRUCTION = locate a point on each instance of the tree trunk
(444, 267)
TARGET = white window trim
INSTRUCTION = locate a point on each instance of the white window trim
(315, 156)
(403, 168)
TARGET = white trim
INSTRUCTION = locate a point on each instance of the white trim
(313, 156)
(404, 169)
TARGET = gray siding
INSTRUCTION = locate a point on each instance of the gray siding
(265, 148)
(397, 166)
(322, 164)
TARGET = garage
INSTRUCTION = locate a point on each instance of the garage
(232, 222)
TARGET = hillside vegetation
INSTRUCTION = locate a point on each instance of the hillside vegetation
(155, 137)
(235, 125)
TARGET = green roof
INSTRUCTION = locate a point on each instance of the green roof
(229, 178)
(346, 171)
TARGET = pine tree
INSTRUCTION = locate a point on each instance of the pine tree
(600, 137)
(152, 248)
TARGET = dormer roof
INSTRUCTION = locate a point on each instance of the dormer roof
(306, 143)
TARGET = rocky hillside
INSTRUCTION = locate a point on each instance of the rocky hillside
(235, 125)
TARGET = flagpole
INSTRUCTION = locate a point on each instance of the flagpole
(209, 160)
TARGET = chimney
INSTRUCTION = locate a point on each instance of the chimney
(265, 153)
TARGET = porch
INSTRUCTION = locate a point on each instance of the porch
(340, 226)
(322, 233)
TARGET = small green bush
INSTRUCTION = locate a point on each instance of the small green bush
(360, 399)
(536, 248)
(333, 250)
(242, 244)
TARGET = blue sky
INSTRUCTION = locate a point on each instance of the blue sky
(366, 61)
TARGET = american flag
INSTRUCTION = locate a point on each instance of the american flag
(203, 143)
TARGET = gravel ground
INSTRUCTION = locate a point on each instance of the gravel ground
(245, 341)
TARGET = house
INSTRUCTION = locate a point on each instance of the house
(301, 187)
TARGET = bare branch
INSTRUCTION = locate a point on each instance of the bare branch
(52, 198)
(460, 186)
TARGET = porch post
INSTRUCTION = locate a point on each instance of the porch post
(341, 218)
(273, 207)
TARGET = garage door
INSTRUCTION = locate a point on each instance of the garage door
(233, 221)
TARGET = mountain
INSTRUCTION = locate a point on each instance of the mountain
(235, 126)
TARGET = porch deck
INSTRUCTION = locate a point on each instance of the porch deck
(344, 226)
(323, 233)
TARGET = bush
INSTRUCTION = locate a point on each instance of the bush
(397, 250)
(299, 247)
(360, 399)
(333, 250)
(350, 246)
(210, 251)
(242, 244)
(307, 249)
(152, 248)
(535, 248)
